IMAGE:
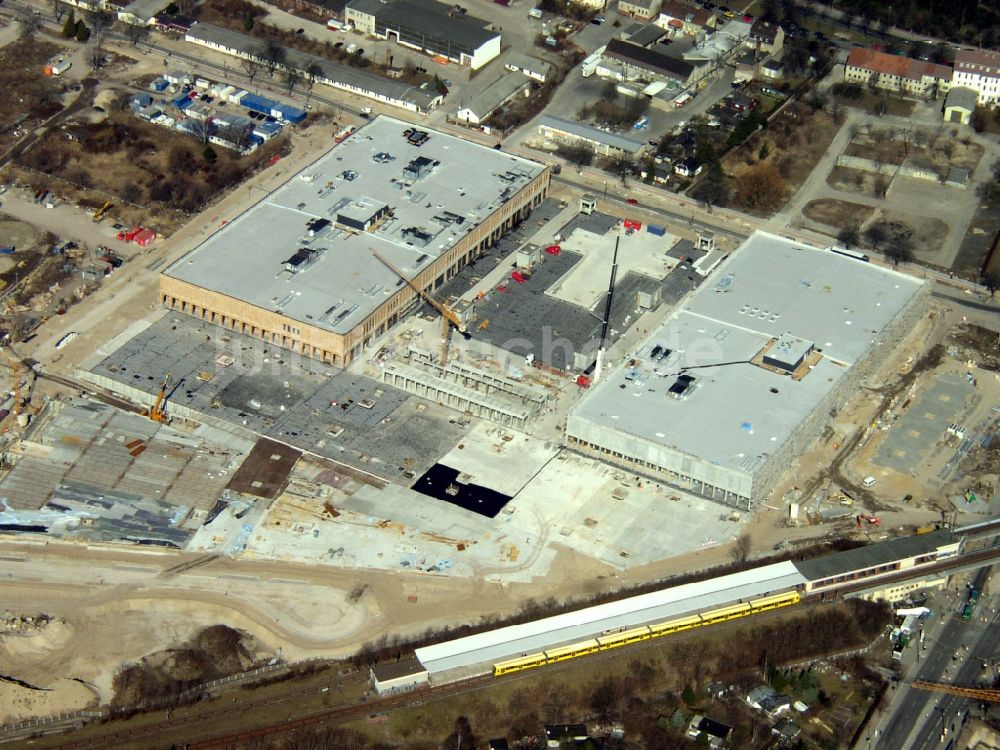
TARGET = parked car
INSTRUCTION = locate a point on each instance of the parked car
(300, 31)
(597, 20)
(632, 202)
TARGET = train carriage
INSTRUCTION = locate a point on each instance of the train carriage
(774, 601)
(516, 665)
(624, 638)
(674, 626)
(572, 651)
(725, 613)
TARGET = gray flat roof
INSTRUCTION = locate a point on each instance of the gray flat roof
(493, 95)
(873, 555)
(435, 20)
(736, 414)
(591, 133)
(531, 637)
(333, 71)
(529, 63)
(345, 282)
(393, 670)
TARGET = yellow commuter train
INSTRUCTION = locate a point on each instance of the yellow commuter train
(607, 641)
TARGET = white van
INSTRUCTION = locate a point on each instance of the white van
(535, 13)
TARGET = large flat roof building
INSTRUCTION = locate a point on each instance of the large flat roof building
(299, 269)
(740, 380)
(428, 26)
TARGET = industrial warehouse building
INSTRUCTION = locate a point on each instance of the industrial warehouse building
(428, 26)
(739, 381)
(299, 269)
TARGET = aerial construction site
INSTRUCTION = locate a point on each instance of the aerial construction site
(389, 375)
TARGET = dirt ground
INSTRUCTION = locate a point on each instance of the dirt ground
(837, 213)
(23, 86)
(796, 140)
(924, 232)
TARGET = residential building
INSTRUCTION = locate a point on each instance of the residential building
(766, 36)
(532, 67)
(768, 701)
(492, 97)
(603, 143)
(772, 69)
(555, 734)
(141, 12)
(683, 19)
(640, 63)
(897, 73)
(787, 731)
(658, 173)
(299, 270)
(979, 70)
(397, 676)
(643, 34)
(960, 104)
(714, 731)
(638, 8)
(429, 26)
(688, 167)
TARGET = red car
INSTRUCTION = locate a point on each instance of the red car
(632, 202)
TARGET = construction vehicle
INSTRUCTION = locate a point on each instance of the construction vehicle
(99, 213)
(982, 694)
(158, 411)
(484, 325)
(448, 316)
(870, 520)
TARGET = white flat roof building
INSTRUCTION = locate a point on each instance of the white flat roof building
(300, 270)
(742, 378)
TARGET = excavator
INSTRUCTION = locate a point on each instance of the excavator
(99, 213)
(158, 411)
(448, 316)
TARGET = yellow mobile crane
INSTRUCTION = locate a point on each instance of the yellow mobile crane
(15, 370)
(158, 411)
(448, 316)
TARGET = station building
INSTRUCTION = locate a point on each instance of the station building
(301, 269)
(746, 374)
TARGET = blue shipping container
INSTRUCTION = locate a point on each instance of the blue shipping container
(656, 229)
(293, 115)
(258, 103)
(7, 250)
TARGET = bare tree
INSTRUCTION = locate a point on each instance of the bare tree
(28, 20)
(238, 135)
(95, 55)
(292, 79)
(59, 9)
(742, 546)
(273, 56)
(313, 71)
(135, 33)
(251, 66)
(200, 129)
(100, 24)
(880, 185)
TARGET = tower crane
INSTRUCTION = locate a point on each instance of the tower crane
(983, 694)
(158, 411)
(448, 316)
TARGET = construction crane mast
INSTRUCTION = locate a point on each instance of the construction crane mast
(448, 316)
(158, 411)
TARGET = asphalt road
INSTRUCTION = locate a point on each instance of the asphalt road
(919, 717)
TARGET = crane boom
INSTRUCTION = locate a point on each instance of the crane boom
(446, 312)
(982, 694)
(158, 411)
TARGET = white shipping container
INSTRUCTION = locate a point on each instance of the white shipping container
(61, 67)
(227, 92)
(217, 89)
(238, 96)
(201, 83)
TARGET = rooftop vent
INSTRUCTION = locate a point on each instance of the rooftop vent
(301, 259)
